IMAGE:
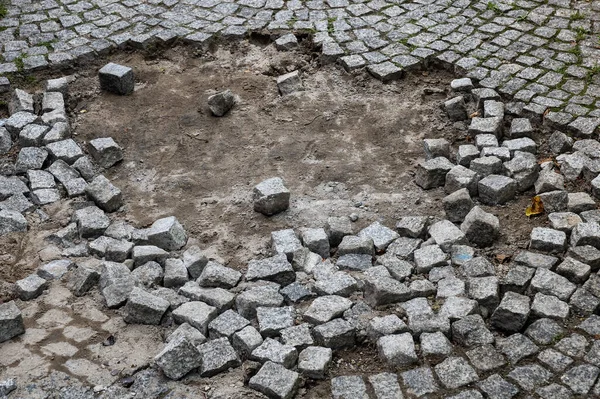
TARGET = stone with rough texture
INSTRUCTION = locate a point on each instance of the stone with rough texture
(481, 228)
(178, 358)
(289, 83)
(195, 313)
(105, 151)
(455, 372)
(12, 222)
(397, 350)
(217, 356)
(221, 103)
(116, 79)
(271, 196)
(275, 381)
(512, 312)
(106, 195)
(11, 321)
(144, 308)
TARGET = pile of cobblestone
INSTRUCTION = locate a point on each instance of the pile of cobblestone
(422, 292)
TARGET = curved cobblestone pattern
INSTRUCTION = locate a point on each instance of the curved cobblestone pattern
(543, 53)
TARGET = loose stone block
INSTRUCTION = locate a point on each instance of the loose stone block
(338, 283)
(194, 336)
(335, 334)
(429, 257)
(52, 101)
(176, 274)
(20, 101)
(446, 234)
(285, 242)
(144, 308)
(486, 126)
(549, 180)
(580, 202)
(178, 358)
(574, 270)
(548, 240)
(512, 312)
(486, 141)
(524, 169)
(354, 262)
(496, 189)
(386, 325)
(564, 221)
(314, 361)
(217, 356)
(435, 346)
(148, 275)
(30, 287)
(5, 141)
(432, 173)
(195, 313)
(493, 108)
(12, 222)
(272, 350)
(524, 144)
(246, 340)
(455, 372)
(286, 42)
(299, 336)
(384, 290)
(516, 347)
(86, 168)
(485, 358)
(544, 331)
(460, 177)
(485, 291)
(325, 308)
(549, 306)
(60, 85)
(275, 381)
(337, 228)
(382, 236)
(45, 196)
(419, 381)
(116, 79)
(535, 260)
(456, 109)
(217, 297)
(145, 253)
(297, 292)
(520, 127)
(271, 196)
(218, 276)
(486, 166)
(289, 83)
(32, 135)
(82, 280)
(466, 153)
(220, 103)
(166, 233)
(276, 269)
(450, 286)
(267, 296)
(436, 148)
(480, 228)
(397, 350)
(385, 386)
(462, 84)
(66, 150)
(471, 331)
(559, 142)
(54, 270)
(456, 308)
(316, 240)
(106, 196)
(272, 320)
(550, 283)
(477, 267)
(412, 226)
(356, 245)
(105, 151)
(194, 261)
(11, 321)
(587, 233)
(18, 121)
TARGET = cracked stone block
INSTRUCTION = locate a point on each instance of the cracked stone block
(116, 79)
(11, 321)
(30, 287)
(564, 221)
(82, 280)
(384, 290)
(106, 196)
(356, 245)
(455, 372)
(246, 340)
(144, 308)
(574, 270)
(142, 254)
(471, 331)
(580, 202)
(285, 242)
(254, 297)
(548, 240)
(176, 274)
(491, 125)
(382, 236)
(272, 320)
(271, 196)
(544, 331)
(289, 83)
(486, 166)
(32, 135)
(275, 381)
(460, 177)
(481, 228)
(550, 283)
(496, 189)
(337, 228)
(272, 350)
(385, 325)
(217, 356)
(335, 334)
(581, 378)
(105, 151)
(436, 148)
(429, 257)
(218, 276)
(477, 267)
(194, 336)
(524, 169)
(456, 108)
(435, 346)
(66, 150)
(466, 154)
(412, 226)
(587, 233)
(298, 336)
(221, 103)
(397, 350)
(549, 306)
(54, 270)
(316, 240)
(432, 173)
(148, 275)
(512, 312)
(497, 387)
(530, 377)
(446, 234)
(178, 358)
(195, 313)
(419, 381)
(516, 347)
(485, 358)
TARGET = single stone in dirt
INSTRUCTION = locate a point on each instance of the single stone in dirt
(266, 295)
(144, 308)
(432, 173)
(219, 276)
(456, 108)
(512, 313)
(275, 381)
(30, 287)
(178, 358)
(272, 350)
(195, 313)
(314, 361)
(286, 42)
(190, 333)
(436, 148)
(325, 308)
(106, 195)
(496, 189)
(217, 356)
(246, 340)
(548, 240)
(105, 151)
(397, 350)
(455, 372)
(221, 103)
(271, 196)
(12, 222)
(116, 79)
(166, 233)
(457, 205)
(289, 83)
(82, 280)
(11, 321)
(480, 228)
(60, 85)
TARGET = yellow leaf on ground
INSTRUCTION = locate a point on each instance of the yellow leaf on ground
(536, 207)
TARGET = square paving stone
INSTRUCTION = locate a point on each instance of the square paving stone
(455, 372)
(349, 387)
(516, 347)
(275, 381)
(485, 358)
(554, 360)
(496, 387)
(419, 381)
(530, 377)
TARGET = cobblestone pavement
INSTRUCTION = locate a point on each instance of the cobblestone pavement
(545, 53)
